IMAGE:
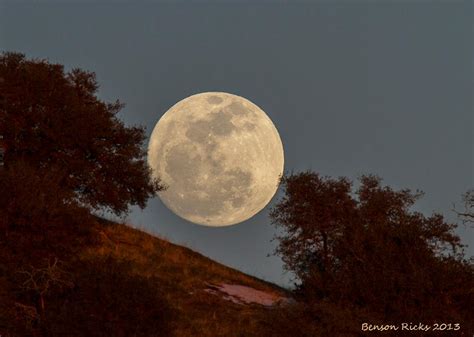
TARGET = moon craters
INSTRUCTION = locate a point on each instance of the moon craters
(178, 162)
(214, 100)
(218, 124)
(237, 108)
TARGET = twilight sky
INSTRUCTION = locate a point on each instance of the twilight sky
(352, 86)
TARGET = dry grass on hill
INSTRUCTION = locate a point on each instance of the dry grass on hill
(183, 274)
(146, 285)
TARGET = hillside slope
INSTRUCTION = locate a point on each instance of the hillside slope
(108, 279)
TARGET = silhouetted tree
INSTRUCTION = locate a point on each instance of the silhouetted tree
(53, 121)
(368, 252)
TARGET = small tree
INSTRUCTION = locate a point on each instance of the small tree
(53, 121)
(366, 250)
(40, 282)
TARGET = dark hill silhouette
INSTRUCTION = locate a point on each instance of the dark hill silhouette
(107, 279)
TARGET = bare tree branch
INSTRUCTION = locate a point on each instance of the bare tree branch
(467, 216)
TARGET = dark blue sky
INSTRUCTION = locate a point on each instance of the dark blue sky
(353, 87)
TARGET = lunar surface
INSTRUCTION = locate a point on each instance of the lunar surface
(220, 157)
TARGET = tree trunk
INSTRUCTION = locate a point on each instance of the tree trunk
(44, 326)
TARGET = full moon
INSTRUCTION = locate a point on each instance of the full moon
(220, 157)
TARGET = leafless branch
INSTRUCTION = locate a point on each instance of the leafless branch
(40, 280)
(467, 216)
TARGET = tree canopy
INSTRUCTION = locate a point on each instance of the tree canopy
(366, 250)
(53, 122)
